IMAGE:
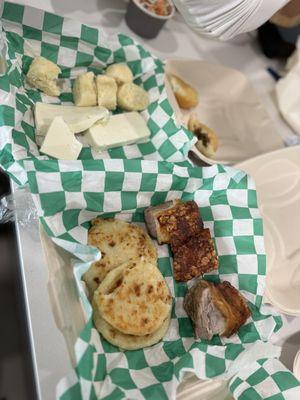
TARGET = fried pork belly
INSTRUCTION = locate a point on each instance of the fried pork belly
(215, 309)
(174, 221)
(194, 257)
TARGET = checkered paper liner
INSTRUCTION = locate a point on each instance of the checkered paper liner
(76, 48)
(69, 195)
(265, 379)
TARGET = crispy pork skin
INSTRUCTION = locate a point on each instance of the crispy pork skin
(194, 257)
(239, 311)
(173, 222)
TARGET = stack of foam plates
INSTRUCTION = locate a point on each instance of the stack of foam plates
(277, 178)
(296, 367)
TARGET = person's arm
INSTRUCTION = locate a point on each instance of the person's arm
(227, 18)
(288, 16)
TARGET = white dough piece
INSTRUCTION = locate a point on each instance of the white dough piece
(78, 119)
(131, 97)
(120, 72)
(84, 90)
(42, 74)
(106, 91)
(120, 130)
(60, 142)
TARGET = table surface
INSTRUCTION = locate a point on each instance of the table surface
(176, 40)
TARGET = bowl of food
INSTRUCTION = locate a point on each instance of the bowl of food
(147, 17)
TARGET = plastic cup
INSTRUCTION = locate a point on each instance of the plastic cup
(143, 22)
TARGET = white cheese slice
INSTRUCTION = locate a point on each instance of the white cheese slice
(120, 130)
(60, 142)
(78, 119)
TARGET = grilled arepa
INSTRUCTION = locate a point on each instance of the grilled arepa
(124, 341)
(134, 298)
(118, 242)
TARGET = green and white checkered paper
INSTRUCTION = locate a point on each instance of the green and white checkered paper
(76, 48)
(265, 380)
(69, 195)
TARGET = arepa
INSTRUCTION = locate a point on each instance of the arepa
(118, 242)
(124, 341)
(134, 298)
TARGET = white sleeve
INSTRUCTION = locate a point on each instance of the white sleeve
(264, 12)
(227, 18)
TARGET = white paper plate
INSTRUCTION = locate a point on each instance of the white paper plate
(229, 105)
(277, 178)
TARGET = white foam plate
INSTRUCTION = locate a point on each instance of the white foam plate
(296, 366)
(230, 106)
(277, 178)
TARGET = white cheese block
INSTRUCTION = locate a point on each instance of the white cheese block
(60, 142)
(120, 130)
(77, 118)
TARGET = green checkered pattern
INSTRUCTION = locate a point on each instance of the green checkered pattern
(69, 195)
(265, 380)
(76, 48)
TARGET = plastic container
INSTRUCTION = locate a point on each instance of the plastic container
(143, 22)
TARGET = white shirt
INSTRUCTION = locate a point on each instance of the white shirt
(227, 18)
